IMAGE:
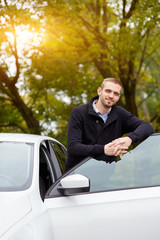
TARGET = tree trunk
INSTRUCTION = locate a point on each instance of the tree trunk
(130, 102)
(27, 114)
(12, 92)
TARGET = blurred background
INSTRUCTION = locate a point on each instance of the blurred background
(55, 53)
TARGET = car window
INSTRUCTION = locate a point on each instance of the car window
(46, 174)
(16, 165)
(138, 168)
(60, 153)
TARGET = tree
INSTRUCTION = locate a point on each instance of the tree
(13, 16)
(75, 44)
(117, 37)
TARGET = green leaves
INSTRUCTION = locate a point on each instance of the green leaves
(73, 46)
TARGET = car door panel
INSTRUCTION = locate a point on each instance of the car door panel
(126, 214)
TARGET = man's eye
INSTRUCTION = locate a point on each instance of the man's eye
(108, 91)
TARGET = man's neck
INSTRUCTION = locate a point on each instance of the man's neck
(102, 109)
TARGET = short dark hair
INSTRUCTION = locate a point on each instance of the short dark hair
(110, 79)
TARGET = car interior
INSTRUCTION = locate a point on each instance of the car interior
(45, 176)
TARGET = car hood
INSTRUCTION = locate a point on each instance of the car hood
(13, 207)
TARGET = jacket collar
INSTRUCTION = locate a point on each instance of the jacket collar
(90, 108)
(111, 117)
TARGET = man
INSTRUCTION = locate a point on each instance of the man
(97, 128)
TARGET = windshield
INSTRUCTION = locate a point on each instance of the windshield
(138, 168)
(15, 165)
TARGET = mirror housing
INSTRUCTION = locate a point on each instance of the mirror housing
(74, 184)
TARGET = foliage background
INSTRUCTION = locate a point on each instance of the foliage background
(55, 53)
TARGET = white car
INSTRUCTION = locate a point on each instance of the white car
(97, 199)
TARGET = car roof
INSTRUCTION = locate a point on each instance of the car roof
(24, 137)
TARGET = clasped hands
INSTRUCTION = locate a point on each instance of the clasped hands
(117, 147)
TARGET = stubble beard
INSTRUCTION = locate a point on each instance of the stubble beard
(108, 106)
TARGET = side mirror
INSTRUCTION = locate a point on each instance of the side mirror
(74, 184)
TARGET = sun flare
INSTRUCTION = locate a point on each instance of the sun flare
(25, 38)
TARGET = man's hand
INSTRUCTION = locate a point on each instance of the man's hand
(111, 150)
(118, 147)
(123, 141)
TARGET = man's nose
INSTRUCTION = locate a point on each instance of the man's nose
(111, 94)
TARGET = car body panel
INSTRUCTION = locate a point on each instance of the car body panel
(127, 214)
(17, 206)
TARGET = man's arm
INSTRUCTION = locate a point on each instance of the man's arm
(138, 130)
(135, 128)
(75, 143)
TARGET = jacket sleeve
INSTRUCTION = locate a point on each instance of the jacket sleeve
(75, 144)
(137, 129)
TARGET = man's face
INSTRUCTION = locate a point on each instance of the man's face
(109, 94)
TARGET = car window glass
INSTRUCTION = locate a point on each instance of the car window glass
(60, 154)
(138, 168)
(46, 175)
(15, 165)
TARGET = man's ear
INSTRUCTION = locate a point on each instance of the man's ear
(99, 89)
